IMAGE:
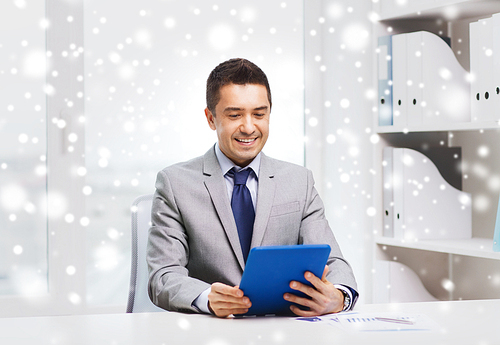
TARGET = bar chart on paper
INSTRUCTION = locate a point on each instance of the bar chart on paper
(361, 322)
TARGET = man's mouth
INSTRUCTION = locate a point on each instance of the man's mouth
(246, 141)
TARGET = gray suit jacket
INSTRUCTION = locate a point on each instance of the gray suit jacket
(193, 241)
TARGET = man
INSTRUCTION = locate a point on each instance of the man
(197, 246)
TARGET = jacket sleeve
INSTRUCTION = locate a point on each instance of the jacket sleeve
(169, 286)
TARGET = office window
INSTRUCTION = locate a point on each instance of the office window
(146, 65)
(23, 149)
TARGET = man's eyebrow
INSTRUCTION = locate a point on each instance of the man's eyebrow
(229, 109)
(264, 107)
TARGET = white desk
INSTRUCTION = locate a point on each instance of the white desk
(467, 322)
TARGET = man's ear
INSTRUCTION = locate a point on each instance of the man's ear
(210, 119)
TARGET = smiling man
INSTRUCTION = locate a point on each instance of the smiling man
(210, 211)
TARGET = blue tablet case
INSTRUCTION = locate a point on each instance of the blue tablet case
(270, 269)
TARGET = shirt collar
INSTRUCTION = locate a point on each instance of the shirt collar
(226, 164)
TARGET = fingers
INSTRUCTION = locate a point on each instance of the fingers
(325, 272)
(323, 296)
(311, 291)
(225, 300)
(227, 290)
(304, 313)
(315, 302)
(319, 284)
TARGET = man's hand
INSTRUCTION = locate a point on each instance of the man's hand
(225, 300)
(325, 298)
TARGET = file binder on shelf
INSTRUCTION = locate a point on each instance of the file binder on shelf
(429, 86)
(388, 201)
(496, 64)
(398, 193)
(485, 68)
(385, 81)
(481, 63)
(425, 205)
(415, 84)
(446, 89)
(496, 61)
(399, 80)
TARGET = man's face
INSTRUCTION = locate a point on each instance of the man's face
(241, 121)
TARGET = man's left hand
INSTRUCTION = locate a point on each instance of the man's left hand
(325, 298)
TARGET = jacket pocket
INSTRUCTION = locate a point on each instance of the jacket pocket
(279, 210)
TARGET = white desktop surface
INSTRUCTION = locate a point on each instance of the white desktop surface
(460, 322)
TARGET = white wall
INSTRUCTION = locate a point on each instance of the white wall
(339, 96)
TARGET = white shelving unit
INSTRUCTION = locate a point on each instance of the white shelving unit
(440, 9)
(458, 261)
(460, 126)
(475, 247)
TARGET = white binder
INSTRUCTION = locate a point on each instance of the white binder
(415, 84)
(429, 84)
(388, 201)
(385, 116)
(475, 47)
(424, 205)
(398, 193)
(496, 65)
(446, 91)
(399, 76)
(482, 66)
(432, 208)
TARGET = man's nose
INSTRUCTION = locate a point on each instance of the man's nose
(247, 124)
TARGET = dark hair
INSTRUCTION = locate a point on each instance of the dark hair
(235, 71)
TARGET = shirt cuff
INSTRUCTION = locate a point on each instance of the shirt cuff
(349, 293)
(201, 302)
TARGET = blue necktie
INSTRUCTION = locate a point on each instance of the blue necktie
(244, 214)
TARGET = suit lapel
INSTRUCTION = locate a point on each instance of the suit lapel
(265, 199)
(216, 186)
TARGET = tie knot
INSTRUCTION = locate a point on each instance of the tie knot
(240, 177)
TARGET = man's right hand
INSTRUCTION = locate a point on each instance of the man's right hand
(225, 300)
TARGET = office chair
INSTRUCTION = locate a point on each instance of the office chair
(138, 298)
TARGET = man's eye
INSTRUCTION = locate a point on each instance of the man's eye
(260, 115)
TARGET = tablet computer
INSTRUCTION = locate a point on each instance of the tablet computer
(270, 269)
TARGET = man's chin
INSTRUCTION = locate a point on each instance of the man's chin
(245, 158)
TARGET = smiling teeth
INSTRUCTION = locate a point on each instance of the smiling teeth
(246, 140)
